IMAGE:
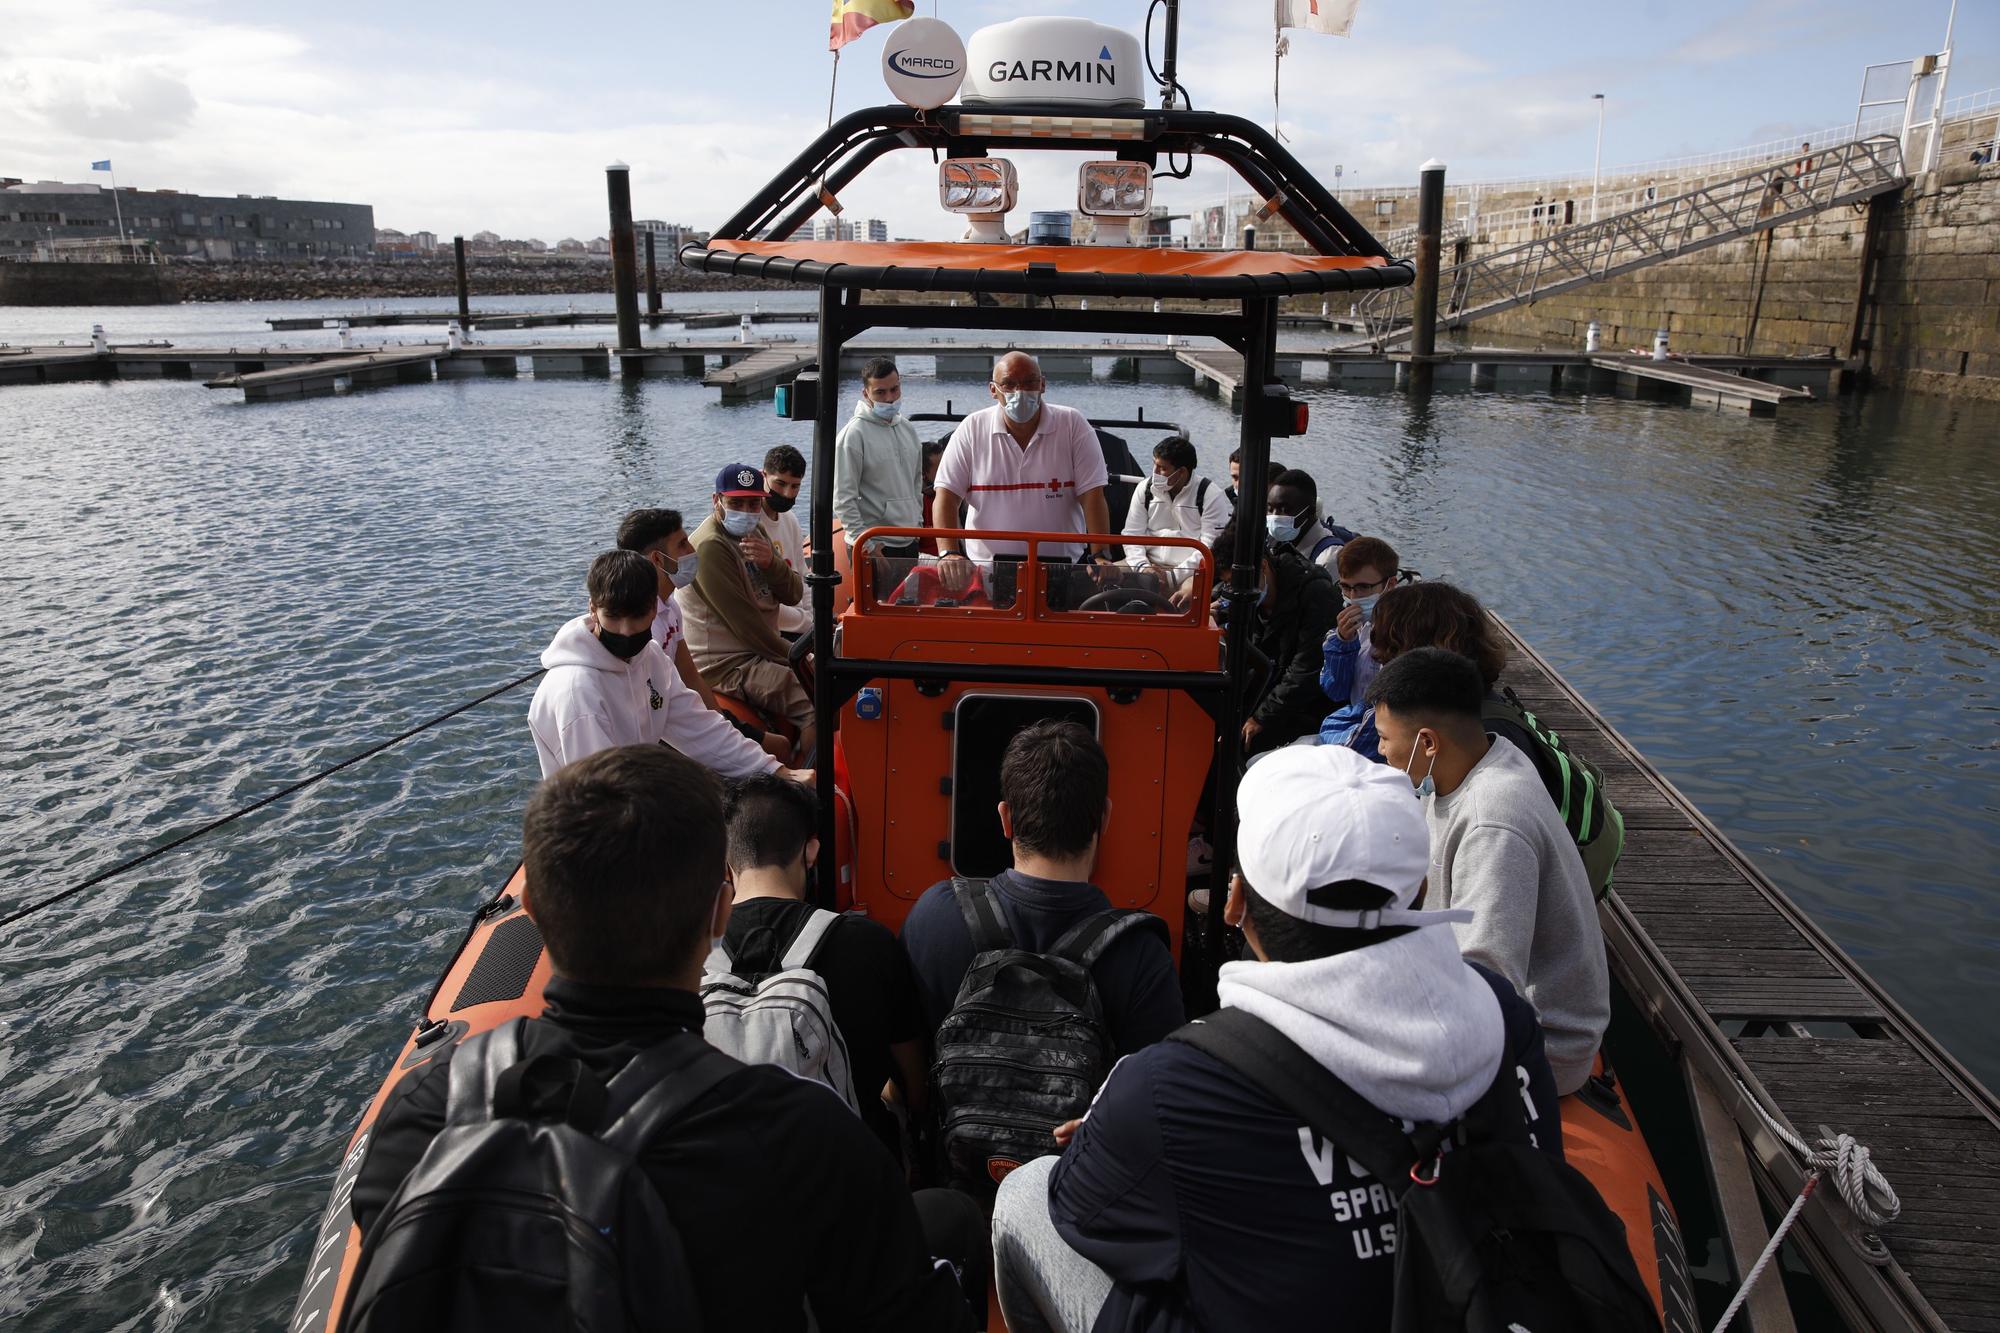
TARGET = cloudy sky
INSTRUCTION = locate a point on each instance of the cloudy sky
(502, 116)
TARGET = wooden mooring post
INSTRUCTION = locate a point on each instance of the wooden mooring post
(652, 279)
(624, 277)
(1424, 296)
(464, 293)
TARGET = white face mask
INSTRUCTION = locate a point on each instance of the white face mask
(684, 569)
(1021, 405)
(1162, 486)
(885, 411)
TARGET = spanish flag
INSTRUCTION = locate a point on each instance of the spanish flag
(851, 18)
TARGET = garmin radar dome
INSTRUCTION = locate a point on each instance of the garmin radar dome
(923, 63)
(1067, 62)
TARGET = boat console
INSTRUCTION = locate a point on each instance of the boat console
(951, 678)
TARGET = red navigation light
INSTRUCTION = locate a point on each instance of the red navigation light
(1281, 414)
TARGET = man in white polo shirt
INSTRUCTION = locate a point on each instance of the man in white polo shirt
(1020, 465)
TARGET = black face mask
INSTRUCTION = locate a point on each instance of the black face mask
(779, 504)
(624, 647)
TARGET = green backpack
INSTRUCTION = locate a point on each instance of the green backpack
(1575, 784)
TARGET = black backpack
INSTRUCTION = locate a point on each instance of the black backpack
(1492, 1233)
(1575, 784)
(529, 1208)
(1025, 1046)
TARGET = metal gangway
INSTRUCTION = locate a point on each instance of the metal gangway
(1842, 174)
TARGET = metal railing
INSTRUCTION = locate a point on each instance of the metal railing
(1983, 104)
(1590, 252)
(1403, 240)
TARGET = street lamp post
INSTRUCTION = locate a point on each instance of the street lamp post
(1597, 162)
(1337, 168)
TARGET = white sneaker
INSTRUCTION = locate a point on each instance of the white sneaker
(1201, 857)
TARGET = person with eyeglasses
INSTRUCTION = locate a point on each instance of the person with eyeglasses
(1024, 465)
(1366, 568)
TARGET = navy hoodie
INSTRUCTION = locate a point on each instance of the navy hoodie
(1212, 1207)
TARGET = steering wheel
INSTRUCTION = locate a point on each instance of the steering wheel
(800, 657)
(1121, 597)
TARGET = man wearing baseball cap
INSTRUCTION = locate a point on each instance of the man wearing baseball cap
(1191, 1198)
(729, 610)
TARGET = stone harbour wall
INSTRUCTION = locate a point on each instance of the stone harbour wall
(1931, 322)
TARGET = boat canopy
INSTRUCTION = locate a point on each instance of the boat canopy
(1074, 270)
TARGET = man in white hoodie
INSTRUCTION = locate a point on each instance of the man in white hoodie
(609, 684)
(878, 474)
(1190, 1198)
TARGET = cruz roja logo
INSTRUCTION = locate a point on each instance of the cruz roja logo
(1100, 70)
(922, 67)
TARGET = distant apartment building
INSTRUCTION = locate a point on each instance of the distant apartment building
(389, 241)
(860, 229)
(668, 238)
(204, 226)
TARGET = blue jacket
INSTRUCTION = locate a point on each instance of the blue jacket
(1211, 1207)
(1338, 658)
(1354, 727)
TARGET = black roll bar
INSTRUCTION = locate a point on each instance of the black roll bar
(791, 197)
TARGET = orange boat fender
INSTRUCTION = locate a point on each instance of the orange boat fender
(1602, 1139)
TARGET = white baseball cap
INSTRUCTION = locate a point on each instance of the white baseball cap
(1315, 815)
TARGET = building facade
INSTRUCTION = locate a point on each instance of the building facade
(841, 229)
(207, 226)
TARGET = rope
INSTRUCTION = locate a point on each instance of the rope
(260, 803)
(1862, 1187)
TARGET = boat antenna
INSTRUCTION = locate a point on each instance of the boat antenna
(1171, 92)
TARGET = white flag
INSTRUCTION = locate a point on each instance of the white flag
(1334, 16)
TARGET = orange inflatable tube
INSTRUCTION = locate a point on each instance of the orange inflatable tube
(1602, 1139)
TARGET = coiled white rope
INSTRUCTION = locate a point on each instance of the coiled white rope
(1862, 1187)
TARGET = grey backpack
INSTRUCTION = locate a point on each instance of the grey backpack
(782, 1018)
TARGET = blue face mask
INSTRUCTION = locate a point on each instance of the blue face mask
(1021, 405)
(1282, 527)
(737, 523)
(885, 411)
(1427, 787)
(1367, 604)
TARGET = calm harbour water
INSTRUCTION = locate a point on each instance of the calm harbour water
(202, 599)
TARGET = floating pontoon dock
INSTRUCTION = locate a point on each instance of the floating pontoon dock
(1761, 1006)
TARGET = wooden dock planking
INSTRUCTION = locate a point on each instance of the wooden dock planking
(761, 372)
(1729, 941)
(318, 377)
(1705, 385)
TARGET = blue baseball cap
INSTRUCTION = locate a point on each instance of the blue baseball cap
(740, 479)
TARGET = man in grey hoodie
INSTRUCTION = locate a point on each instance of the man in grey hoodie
(1189, 1198)
(878, 473)
(1499, 848)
